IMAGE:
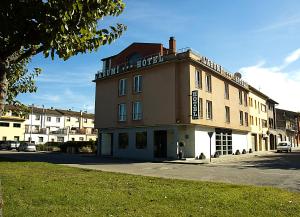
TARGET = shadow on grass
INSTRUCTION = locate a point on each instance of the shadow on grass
(62, 158)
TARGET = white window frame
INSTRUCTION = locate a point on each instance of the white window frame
(137, 83)
(122, 87)
(122, 112)
(227, 114)
(198, 79)
(208, 83)
(209, 110)
(137, 111)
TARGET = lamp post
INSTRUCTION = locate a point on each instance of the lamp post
(210, 134)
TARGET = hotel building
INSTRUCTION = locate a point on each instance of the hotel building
(150, 99)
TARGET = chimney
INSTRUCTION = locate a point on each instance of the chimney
(172, 45)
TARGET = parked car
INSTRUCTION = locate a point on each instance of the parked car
(4, 145)
(284, 146)
(27, 147)
(13, 145)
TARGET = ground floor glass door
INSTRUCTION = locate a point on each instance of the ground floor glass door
(223, 141)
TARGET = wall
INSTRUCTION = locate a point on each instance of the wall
(10, 132)
(202, 141)
(157, 98)
(239, 142)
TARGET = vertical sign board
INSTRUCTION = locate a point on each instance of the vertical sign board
(195, 106)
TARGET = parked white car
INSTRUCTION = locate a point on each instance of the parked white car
(27, 147)
(284, 146)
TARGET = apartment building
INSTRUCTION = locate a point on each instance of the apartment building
(287, 126)
(153, 102)
(12, 127)
(258, 120)
(272, 127)
(43, 125)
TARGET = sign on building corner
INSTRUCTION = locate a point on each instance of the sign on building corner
(195, 106)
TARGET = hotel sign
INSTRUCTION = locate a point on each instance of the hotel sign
(195, 106)
(144, 62)
(222, 71)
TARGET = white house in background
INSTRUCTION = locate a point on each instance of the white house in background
(55, 125)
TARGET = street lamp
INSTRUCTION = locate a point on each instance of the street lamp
(210, 134)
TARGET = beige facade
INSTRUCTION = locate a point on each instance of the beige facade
(12, 128)
(183, 97)
(258, 121)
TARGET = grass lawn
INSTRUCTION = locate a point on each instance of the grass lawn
(43, 189)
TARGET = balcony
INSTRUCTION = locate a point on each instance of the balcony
(59, 132)
(82, 131)
(36, 131)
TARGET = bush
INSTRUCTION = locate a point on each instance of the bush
(250, 150)
(75, 146)
(237, 152)
(216, 155)
(202, 157)
(244, 151)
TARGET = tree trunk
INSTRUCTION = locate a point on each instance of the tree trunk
(3, 85)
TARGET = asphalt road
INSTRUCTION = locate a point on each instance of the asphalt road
(280, 170)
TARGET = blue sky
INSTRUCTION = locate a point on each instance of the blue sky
(258, 38)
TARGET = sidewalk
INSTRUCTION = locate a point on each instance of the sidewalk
(222, 159)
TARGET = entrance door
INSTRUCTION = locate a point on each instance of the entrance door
(254, 142)
(160, 144)
(107, 144)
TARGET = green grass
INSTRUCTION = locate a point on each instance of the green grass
(42, 189)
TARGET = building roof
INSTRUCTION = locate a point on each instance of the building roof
(134, 43)
(53, 111)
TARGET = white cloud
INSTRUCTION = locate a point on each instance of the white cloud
(294, 56)
(276, 83)
(290, 21)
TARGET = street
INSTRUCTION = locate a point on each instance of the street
(281, 170)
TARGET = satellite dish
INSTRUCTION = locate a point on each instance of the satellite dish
(238, 75)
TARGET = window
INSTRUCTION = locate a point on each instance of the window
(48, 119)
(137, 111)
(73, 139)
(264, 123)
(208, 109)
(4, 138)
(123, 140)
(208, 83)
(41, 139)
(4, 124)
(241, 118)
(85, 120)
(57, 120)
(16, 138)
(141, 140)
(250, 102)
(255, 103)
(68, 119)
(17, 125)
(240, 97)
(245, 99)
(60, 139)
(137, 83)
(122, 87)
(246, 119)
(227, 114)
(80, 138)
(37, 117)
(226, 91)
(122, 112)
(263, 108)
(255, 121)
(271, 123)
(198, 79)
(200, 107)
(251, 120)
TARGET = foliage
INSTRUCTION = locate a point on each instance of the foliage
(64, 28)
(77, 145)
(54, 26)
(43, 189)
